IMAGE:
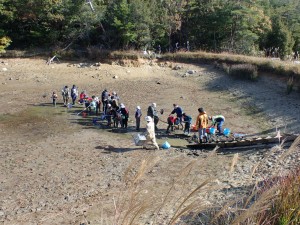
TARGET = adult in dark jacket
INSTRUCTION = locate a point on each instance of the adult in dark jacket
(152, 112)
(178, 111)
(124, 115)
(138, 114)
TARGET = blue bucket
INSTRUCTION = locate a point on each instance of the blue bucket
(212, 130)
(226, 132)
(166, 145)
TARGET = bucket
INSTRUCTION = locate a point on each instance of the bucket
(166, 145)
(226, 131)
(69, 106)
(194, 128)
(84, 114)
(212, 130)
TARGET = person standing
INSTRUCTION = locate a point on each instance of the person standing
(104, 99)
(150, 135)
(219, 121)
(152, 112)
(54, 98)
(124, 115)
(138, 114)
(187, 123)
(74, 94)
(66, 95)
(178, 111)
(201, 124)
(159, 49)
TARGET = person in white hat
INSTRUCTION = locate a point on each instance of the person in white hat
(138, 114)
(124, 115)
(150, 132)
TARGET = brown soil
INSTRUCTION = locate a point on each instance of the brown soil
(58, 168)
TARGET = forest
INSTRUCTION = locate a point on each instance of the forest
(249, 27)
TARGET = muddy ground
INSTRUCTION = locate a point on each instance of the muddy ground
(58, 168)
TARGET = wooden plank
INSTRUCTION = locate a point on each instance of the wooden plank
(245, 142)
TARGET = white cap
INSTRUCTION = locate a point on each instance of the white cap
(154, 104)
(138, 107)
(122, 105)
(148, 118)
(109, 105)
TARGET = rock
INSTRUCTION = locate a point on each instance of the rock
(177, 67)
(191, 71)
(4, 69)
(10, 78)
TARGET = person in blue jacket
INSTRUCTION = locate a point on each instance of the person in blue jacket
(178, 111)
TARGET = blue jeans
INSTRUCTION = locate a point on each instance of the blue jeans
(202, 133)
(219, 126)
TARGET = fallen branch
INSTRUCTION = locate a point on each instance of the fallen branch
(51, 60)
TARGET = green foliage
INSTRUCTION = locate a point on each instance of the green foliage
(4, 43)
(281, 37)
(242, 27)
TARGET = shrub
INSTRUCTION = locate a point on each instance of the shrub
(4, 43)
(244, 71)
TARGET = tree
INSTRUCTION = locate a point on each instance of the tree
(280, 37)
(226, 25)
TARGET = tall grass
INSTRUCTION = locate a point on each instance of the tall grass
(273, 201)
(244, 71)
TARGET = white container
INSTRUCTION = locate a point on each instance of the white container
(139, 139)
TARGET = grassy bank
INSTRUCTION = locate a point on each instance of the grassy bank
(288, 70)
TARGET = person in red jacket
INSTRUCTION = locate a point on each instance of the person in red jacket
(171, 121)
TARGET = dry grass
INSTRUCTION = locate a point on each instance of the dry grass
(136, 207)
(244, 71)
(282, 68)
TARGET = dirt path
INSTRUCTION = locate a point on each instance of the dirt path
(57, 168)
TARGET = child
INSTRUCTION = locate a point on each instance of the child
(54, 97)
(171, 121)
(82, 97)
(187, 123)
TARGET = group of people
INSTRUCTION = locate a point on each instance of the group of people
(202, 124)
(66, 95)
(117, 113)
